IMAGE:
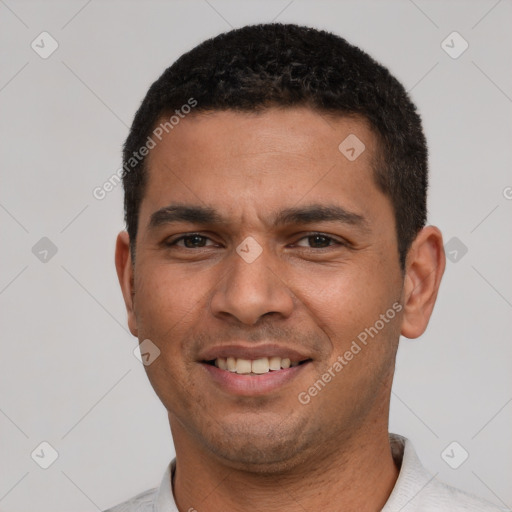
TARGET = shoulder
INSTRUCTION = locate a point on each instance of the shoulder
(143, 502)
(416, 490)
(438, 496)
(158, 499)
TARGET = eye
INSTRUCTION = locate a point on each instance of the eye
(190, 241)
(319, 241)
(311, 241)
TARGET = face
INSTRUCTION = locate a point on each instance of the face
(258, 238)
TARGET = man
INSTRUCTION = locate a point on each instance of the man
(275, 199)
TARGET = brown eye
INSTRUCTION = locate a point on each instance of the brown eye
(192, 241)
(319, 241)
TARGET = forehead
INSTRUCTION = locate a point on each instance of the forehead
(298, 131)
(264, 159)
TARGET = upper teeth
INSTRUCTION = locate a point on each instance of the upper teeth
(262, 365)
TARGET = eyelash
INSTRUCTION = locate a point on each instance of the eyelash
(309, 235)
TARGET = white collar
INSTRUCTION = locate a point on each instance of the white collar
(415, 487)
(412, 478)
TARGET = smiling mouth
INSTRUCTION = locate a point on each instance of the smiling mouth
(258, 366)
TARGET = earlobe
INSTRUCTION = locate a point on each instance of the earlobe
(124, 268)
(424, 269)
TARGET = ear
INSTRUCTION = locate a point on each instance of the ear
(124, 269)
(425, 266)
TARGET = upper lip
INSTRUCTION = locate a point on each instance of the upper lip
(252, 352)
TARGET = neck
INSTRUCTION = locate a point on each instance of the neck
(358, 475)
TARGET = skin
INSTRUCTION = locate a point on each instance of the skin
(271, 451)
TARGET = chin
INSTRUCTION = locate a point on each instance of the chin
(264, 449)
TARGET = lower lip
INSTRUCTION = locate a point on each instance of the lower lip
(252, 385)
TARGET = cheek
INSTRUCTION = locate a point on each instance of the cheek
(347, 303)
(165, 302)
(166, 307)
(347, 292)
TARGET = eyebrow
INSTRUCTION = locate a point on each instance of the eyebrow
(294, 215)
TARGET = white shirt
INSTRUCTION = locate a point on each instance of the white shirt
(415, 490)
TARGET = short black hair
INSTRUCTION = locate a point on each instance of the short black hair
(260, 66)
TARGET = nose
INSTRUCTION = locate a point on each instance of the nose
(250, 290)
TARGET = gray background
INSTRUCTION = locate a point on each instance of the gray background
(68, 375)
